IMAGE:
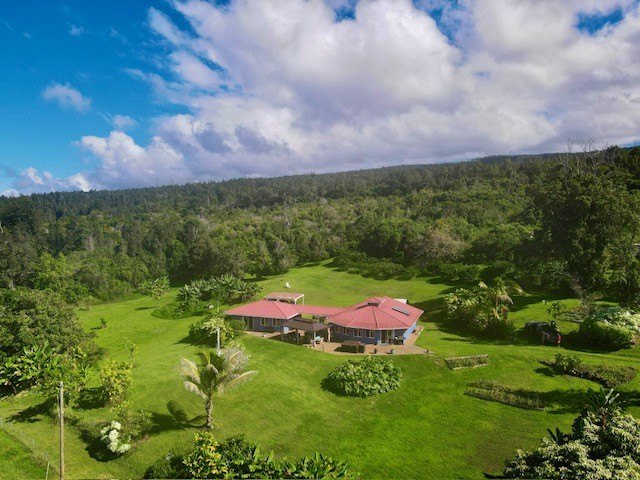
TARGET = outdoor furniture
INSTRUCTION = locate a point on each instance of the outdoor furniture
(353, 345)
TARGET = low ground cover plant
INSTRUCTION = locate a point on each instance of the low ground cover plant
(470, 361)
(496, 392)
(236, 458)
(364, 378)
(607, 375)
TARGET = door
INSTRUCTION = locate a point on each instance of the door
(385, 336)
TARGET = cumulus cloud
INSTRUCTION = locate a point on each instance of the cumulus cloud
(30, 180)
(66, 97)
(283, 86)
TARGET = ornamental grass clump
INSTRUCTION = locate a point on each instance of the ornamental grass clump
(370, 376)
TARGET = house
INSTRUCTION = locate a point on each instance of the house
(377, 320)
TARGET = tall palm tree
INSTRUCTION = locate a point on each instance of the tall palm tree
(215, 374)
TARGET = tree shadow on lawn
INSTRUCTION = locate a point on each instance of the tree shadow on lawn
(91, 399)
(176, 418)
(34, 413)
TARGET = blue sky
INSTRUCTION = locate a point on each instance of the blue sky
(119, 94)
(39, 50)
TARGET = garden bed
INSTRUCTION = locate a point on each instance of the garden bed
(496, 392)
(470, 361)
(609, 376)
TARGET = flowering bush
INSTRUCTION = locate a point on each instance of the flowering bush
(370, 376)
(112, 437)
(611, 328)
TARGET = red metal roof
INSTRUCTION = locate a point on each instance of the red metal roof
(378, 313)
(266, 309)
(375, 313)
(318, 310)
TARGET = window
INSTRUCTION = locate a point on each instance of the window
(264, 322)
(371, 333)
(359, 333)
(276, 322)
(350, 331)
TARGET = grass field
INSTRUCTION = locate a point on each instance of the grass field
(426, 429)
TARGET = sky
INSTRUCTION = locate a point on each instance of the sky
(120, 94)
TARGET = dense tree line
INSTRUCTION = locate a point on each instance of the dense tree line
(551, 221)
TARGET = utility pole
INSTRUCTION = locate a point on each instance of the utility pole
(218, 341)
(61, 411)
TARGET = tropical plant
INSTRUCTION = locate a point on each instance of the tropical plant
(370, 376)
(206, 330)
(215, 374)
(155, 288)
(237, 458)
(484, 309)
(604, 443)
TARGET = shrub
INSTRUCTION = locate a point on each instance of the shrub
(205, 460)
(116, 379)
(603, 443)
(236, 458)
(111, 436)
(496, 392)
(619, 316)
(136, 424)
(471, 361)
(610, 328)
(483, 309)
(370, 376)
(205, 330)
(608, 375)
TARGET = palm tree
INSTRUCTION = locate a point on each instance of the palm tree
(215, 374)
(498, 296)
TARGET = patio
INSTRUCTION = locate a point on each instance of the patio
(335, 348)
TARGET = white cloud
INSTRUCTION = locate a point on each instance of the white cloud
(12, 192)
(30, 180)
(76, 31)
(66, 97)
(123, 163)
(280, 86)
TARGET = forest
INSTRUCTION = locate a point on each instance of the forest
(566, 222)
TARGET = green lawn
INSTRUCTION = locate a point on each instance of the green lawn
(426, 429)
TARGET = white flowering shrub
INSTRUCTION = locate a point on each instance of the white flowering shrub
(112, 437)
